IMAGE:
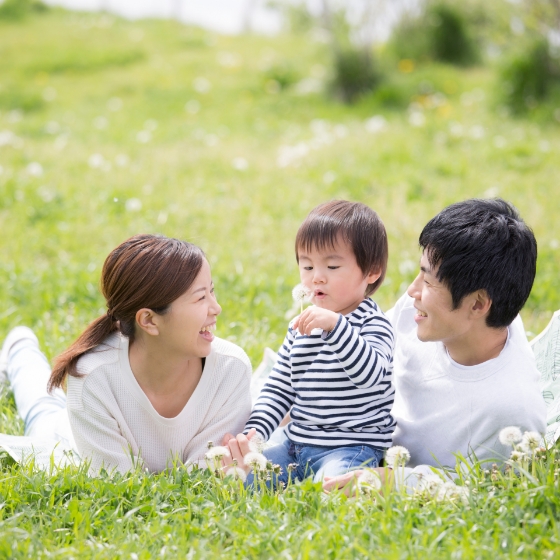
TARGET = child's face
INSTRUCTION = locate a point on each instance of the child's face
(334, 278)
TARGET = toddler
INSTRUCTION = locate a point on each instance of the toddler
(334, 368)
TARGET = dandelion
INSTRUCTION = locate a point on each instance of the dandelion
(300, 293)
(530, 442)
(368, 480)
(517, 456)
(237, 473)
(397, 456)
(257, 461)
(510, 435)
(256, 444)
(430, 484)
(217, 453)
(451, 492)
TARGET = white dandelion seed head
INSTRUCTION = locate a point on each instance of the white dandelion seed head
(530, 442)
(217, 452)
(300, 293)
(510, 435)
(370, 479)
(237, 473)
(256, 444)
(257, 461)
(430, 484)
(451, 492)
(397, 456)
(517, 456)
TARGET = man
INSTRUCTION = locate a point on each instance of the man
(463, 368)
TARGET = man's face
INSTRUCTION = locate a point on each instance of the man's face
(435, 317)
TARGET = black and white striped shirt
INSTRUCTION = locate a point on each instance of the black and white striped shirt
(337, 384)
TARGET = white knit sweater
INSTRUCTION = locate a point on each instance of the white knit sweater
(115, 425)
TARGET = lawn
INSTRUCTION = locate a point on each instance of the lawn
(110, 128)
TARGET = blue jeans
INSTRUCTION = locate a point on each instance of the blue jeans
(309, 460)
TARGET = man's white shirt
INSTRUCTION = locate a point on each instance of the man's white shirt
(443, 408)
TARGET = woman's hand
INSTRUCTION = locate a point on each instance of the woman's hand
(315, 318)
(238, 448)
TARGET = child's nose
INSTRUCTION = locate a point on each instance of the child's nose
(318, 276)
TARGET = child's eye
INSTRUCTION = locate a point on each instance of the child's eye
(333, 267)
(307, 268)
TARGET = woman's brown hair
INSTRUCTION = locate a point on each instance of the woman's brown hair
(146, 271)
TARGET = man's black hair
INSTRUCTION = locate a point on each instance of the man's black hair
(483, 245)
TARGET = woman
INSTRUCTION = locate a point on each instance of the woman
(147, 382)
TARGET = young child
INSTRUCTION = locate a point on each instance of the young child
(334, 368)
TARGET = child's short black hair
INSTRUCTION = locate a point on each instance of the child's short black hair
(483, 245)
(353, 222)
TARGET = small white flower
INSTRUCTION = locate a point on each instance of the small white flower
(300, 293)
(430, 483)
(256, 444)
(531, 442)
(369, 479)
(510, 435)
(453, 493)
(517, 456)
(397, 456)
(217, 453)
(237, 473)
(257, 461)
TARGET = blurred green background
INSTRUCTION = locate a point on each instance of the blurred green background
(111, 127)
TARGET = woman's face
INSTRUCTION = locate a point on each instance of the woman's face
(187, 327)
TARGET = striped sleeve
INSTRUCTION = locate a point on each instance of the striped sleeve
(277, 396)
(364, 355)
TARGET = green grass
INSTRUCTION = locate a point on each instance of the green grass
(76, 85)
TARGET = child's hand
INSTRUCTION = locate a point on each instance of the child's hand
(315, 318)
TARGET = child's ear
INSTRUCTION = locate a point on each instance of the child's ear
(373, 276)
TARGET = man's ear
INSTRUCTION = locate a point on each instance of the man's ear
(148, 321)
(481, 303)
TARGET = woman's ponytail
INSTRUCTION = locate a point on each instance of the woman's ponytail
(146, 271)
(65, 364)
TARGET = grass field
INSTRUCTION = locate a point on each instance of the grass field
(110, 128)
